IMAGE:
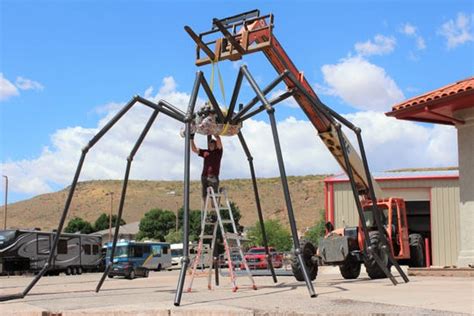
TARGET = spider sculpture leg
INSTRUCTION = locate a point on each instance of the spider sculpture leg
(163, 107)
(259, 207)
(122, 196)
(294, 231)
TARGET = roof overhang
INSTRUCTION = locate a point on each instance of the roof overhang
(437, 106)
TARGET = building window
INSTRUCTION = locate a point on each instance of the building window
(87, 249)
(43, 244)
(95, 249)
(62, 247)
(136, 251)
(156, 250)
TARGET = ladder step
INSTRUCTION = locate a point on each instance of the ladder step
(233, 236)
(227, 221)
(207, 236)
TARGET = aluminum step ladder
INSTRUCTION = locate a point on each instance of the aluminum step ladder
(211, 216)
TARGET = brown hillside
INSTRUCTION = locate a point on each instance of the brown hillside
(90, 201)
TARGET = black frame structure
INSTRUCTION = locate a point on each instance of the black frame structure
(243, 113)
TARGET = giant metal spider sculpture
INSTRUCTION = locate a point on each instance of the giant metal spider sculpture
(233, 118)
(255, 34)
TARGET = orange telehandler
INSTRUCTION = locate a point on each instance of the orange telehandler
(382, 235)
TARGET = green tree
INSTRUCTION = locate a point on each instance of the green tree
(156, 224)
(77, 224)
(194, 223)
(102, 222)
(316, 232)
(174, 236)
(278, 236)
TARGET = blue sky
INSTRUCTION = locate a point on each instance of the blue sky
(67, 66)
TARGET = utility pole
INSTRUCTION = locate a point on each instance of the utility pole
(177, 213)
(110, 215)
(6, 201)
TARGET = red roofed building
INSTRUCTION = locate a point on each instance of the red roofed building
(452, 105)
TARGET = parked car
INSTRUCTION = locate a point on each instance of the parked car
(235, 257)
(256, 258)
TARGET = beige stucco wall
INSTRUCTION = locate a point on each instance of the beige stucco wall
(444, 195)
(466, 179)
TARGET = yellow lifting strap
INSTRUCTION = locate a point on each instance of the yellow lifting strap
(215, 64)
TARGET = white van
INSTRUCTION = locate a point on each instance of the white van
(177, 253)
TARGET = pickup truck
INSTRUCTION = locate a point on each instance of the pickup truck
(256, 259)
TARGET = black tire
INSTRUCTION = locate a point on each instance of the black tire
(308, 251)
(74, 270)
(350, 269)
(68, 271)
(145, 273)
(371, 266)
(110, 276)
(132, 274)
(417, 251)
(79, 270)
(158, 268)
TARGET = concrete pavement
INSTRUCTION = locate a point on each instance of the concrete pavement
(74, 295)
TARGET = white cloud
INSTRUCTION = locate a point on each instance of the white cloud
(412, 31)
(161, 155)
(380, 46)
(7, 89)
(457, 32)
(392, 144)
(28, 84)
(420, 43)
(408, 29)
(361, 84)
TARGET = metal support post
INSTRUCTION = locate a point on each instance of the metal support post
(259, 208)
(122, 197)
(187, 162)
(53, 249)
(368, 247)
(375, 211)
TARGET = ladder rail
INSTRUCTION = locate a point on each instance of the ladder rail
(224, 239)
(213, 204)
(239, 245)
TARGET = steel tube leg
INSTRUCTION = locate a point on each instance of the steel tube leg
(373, 197)
(91, 143)
(289, 206)
(350, 173)
(259, 208)
(124, 192)
(60, 226)
(187, 163)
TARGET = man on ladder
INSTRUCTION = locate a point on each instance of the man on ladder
(212, 163)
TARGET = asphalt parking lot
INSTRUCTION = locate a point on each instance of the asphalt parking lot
(74, 295)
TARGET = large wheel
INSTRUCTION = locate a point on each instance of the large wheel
(158, 268)
(371, 266)
(79, 270)
(308, 251)
(68, 271)
(131, 275)
(417, 253)
(350, 269)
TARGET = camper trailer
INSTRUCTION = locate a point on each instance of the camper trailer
(28, 250)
